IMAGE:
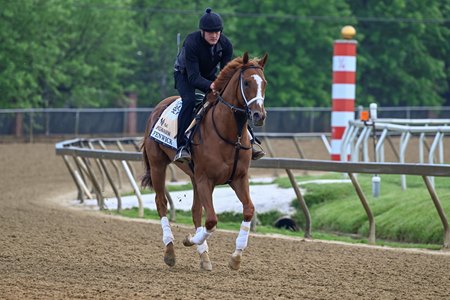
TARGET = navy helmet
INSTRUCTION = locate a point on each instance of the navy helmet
(210, 22)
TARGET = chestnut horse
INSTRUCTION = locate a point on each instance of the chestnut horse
(221, 153)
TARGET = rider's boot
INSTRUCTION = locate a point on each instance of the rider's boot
(257, 154)
(183, 155)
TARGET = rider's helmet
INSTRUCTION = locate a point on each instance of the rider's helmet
(210, 22)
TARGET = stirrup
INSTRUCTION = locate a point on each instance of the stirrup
(182, 155)
(257, 154)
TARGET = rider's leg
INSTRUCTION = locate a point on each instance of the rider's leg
(256, 153)
(187, 93)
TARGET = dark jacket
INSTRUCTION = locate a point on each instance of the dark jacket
(199, 60)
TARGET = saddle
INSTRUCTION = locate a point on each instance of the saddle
(165, 129)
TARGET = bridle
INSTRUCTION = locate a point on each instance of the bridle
(256, 98)
(247, 103)
(241, 115)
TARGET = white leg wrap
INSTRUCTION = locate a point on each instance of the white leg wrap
(242, 239)
(167, 232)
(202, 248)
(201, 235)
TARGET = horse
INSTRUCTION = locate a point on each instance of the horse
(221, 154)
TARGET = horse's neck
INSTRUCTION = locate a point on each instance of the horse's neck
(225, 119)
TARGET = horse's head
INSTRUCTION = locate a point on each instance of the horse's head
(252, 88)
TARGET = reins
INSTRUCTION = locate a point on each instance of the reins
(241, 115)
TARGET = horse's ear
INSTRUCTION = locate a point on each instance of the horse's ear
(245, 58)
(263, 60)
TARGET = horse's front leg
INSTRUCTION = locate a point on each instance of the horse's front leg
(202, 249)
(242, 191)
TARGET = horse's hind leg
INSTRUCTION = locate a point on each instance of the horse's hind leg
(242, 191)
(202, 249)
(204, 194)
(158, 173)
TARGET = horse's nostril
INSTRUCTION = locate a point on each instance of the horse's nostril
(257, 116)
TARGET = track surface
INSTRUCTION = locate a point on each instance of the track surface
(48, 250)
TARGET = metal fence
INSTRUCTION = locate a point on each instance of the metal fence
(130, 121)
(89, 155)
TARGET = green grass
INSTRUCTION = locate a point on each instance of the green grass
(403, 218)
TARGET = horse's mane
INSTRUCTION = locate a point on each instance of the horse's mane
(229, 70)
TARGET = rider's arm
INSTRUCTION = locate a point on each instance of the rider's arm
(193, 70)
(227, 53)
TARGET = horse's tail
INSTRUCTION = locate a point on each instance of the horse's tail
(146, 179)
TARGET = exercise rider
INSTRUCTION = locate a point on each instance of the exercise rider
(195, 67)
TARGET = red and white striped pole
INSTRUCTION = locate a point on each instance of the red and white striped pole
(343, 89)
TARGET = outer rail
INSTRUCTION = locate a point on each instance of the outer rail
(74, 148)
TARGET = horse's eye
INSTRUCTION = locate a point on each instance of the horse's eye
(246, 84)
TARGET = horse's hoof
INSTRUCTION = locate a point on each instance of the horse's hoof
(205, 262)
(169, 255)
(235, 260)
(187, 241)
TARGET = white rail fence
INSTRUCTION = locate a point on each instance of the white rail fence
(357, 135)
(91, 161)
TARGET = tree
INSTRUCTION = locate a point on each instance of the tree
(403, 58)
(158, 24)
(299, 45)
(82, 53)
(18, 84)
(56, 53)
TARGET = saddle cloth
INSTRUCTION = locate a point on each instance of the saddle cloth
(165, 129)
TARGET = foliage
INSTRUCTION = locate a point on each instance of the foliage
(403, 63)
(300, 49)
(157, 47)
(80, 53)
(406, 216)
(56, 53)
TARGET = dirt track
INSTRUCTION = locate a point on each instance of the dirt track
(48, 250)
